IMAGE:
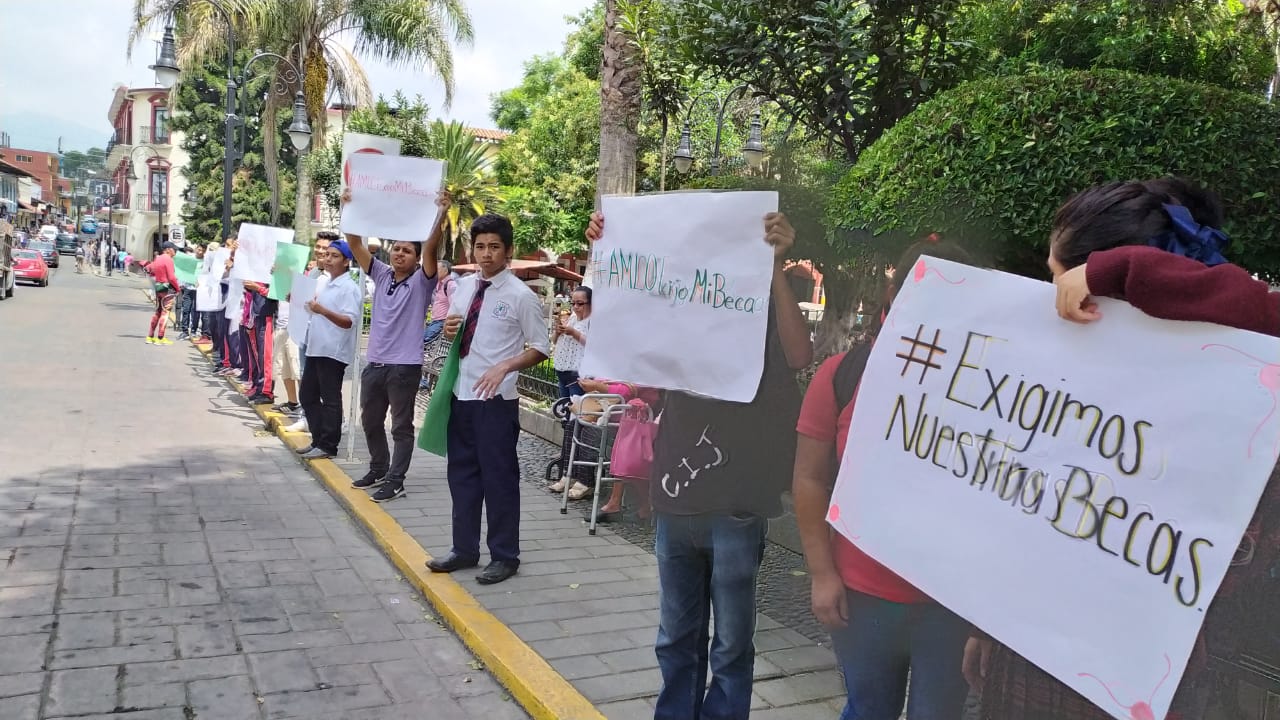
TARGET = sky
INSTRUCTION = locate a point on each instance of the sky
(58, 78)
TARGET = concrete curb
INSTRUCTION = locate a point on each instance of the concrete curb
(532, 682)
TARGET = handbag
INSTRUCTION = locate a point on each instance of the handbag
(434, 434)
(632, 455)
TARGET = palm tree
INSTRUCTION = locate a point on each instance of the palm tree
(621, 84)
(468, 178)
(314, 35)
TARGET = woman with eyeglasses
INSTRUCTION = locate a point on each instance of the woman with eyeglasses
(570, 338)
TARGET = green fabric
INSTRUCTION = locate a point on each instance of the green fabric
(291, 259)
(435, 425)
(185, 267)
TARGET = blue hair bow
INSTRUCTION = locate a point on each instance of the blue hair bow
(1190, 239)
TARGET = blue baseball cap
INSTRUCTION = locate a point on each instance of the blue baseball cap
(342, 247)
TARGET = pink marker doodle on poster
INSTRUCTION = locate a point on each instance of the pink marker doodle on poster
(918, 274)
(1139, 710)
(833, 517)
(1269, 378)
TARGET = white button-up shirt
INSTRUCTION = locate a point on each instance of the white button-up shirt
(510, 318)
(325, 339)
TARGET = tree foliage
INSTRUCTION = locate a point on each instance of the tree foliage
(847, 71)
(1209, 41)
(991, 160)
(198, 114)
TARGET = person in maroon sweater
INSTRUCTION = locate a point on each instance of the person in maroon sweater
(1156, 245)
(166, 284)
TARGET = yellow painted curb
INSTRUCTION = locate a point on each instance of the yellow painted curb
(532, 682)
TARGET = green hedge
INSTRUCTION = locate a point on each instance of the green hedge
(990, 161)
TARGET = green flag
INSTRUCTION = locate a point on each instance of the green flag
(291, 259)
(185, 266)
(433, 437)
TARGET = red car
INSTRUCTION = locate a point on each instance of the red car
(28, 265)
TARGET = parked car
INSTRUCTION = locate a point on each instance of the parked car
(89, 226)
(47, 251)
(29, 266)
(67, 243)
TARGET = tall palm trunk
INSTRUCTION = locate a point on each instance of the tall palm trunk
(620, 89)
(271, 152)
(314, 85)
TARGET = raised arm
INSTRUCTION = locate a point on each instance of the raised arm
(361, 253)
(431, 251)
(792, 328)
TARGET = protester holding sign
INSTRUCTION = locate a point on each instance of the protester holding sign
(714, 483)
(1157, 245)
(881, 626)
(331, 346)
(401, 295)
(501, 331)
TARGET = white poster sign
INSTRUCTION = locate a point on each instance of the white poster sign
(681, 292)
(178, 234)
(359, 143)
(209, 282)
(393, 197)
(235, 302)
(304, 291)
(256, 252)
(1076, 491)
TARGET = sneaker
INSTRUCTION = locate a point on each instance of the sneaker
(286, 408)
(305, 450)
(371, 479)
(316, 453)
(390, 490)
(261, 399)
(164, 341)
(183, 336)
(298, 427)
(151, 340)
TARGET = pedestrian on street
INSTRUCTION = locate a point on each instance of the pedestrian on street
(331, 346)
(165, 284)
(502, 332)
(401, 294)
(711, 533)
(257, 323)
(188, 318)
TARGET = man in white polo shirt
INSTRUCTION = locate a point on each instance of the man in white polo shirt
(502, 332)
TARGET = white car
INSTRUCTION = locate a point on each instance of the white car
(48, 232)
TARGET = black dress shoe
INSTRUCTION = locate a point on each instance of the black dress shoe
(496, 572)
(451, 562)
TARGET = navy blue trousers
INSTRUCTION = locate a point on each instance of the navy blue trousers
(488, 477)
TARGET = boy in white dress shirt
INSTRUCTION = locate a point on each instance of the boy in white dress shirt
(503, 332)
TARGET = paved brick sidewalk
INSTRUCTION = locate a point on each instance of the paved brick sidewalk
(160, 560)
(589, 605)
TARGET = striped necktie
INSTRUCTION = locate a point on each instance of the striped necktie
(473, 315)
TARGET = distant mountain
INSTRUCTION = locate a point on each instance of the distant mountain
(40, 131)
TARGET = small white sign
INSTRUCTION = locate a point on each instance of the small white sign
(256, 252)
(304, 291)
(359, 143)
(393, 197)
(681, 292)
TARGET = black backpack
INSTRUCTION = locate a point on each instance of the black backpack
(849, 373)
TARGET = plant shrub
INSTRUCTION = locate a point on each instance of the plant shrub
(991, 161)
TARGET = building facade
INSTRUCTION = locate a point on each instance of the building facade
(144, 161)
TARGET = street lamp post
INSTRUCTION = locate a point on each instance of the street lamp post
(752, 150)
(167, 72)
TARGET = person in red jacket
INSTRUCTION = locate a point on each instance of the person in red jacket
(166, 284)
(1155, 244)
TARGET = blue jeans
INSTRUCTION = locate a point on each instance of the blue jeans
(432, 331)
(568, 381)
(706, 562)
(883, 641)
